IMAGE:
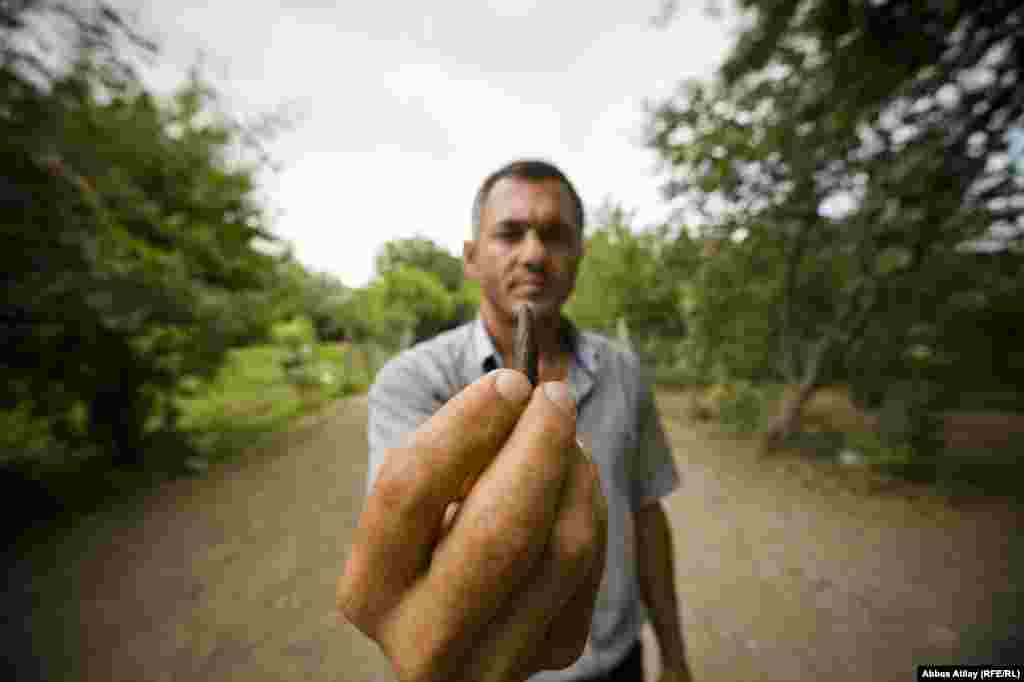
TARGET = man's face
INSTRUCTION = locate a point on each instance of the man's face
(529, 246)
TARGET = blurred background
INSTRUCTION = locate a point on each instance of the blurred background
(220, 221)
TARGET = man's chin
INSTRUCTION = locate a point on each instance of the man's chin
(542, 305)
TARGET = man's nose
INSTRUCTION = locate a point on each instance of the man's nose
(534, 251)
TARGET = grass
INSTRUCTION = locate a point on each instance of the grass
(251, 398)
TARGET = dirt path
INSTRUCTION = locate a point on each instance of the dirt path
(785, 572)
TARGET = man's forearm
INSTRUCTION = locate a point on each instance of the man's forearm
(657, 582)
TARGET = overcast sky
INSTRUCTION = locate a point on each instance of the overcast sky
(407, 106)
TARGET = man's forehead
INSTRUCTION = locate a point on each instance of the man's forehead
(513, 198)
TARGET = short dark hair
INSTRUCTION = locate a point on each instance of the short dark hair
(526, 169)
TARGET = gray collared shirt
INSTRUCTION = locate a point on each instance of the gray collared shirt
(616, 415)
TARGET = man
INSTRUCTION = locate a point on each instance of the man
(526, 247)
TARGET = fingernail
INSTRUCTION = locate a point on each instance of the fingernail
(513, 386)
(449, 517)
(558, 393)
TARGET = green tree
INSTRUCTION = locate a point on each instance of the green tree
(424, 254)
(630, 278)
(467, 302)
(130, 238)
(853, 149)
(369, 317)
(724, 300)
(320, 296)
(417, 298)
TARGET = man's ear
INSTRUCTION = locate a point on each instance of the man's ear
(469, 266)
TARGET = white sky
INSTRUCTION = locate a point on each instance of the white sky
(405, 110)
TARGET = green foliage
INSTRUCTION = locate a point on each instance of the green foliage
(369, 317)
(320, 297)
(746, 406)
(417, 291)
(842, 164)
(728, 303)
(401, 265)
(408, 298)
(349, 368)
(676, 375)
(130, 257)
(467, 301)
(629, 279)
(294, 333)
(887, 455)
(252, 395)
(297, 337)
(425, 255)
(908, 441)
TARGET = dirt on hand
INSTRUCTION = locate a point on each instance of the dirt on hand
(786, 569)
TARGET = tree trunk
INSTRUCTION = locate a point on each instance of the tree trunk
(782, 425)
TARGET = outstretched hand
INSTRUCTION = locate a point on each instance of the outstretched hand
(505, 588)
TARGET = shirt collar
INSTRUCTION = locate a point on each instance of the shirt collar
(484, 357)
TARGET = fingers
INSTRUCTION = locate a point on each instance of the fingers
(392, 545)
(552, 592)
(502, 528)
(568, 632)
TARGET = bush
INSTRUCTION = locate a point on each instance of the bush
(130, 258)
(910, 427)
(745, 407)
(908, 442)
(676, 376)
(892, 457)
(295, 333)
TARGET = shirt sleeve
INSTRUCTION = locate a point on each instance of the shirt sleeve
(400, 400)
(654, 471)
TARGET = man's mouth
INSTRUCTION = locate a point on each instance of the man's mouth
(534, 282)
